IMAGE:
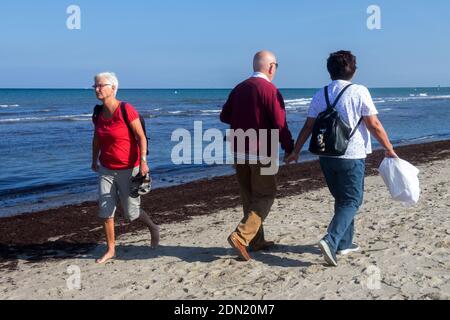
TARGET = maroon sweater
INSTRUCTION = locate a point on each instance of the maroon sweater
(257, 104)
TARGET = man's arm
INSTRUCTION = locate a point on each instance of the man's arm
(278, 114)
(225, 115)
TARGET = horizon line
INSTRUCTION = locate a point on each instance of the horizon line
(192, 88)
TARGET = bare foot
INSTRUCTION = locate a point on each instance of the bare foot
(155, 236)
(108, 256)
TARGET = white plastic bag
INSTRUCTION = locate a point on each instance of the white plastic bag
(402, 180)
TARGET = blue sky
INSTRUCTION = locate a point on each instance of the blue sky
(210, 44)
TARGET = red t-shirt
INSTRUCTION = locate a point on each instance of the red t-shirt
(118, 147)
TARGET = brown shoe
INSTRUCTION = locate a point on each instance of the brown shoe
(264, 245)
(241, 249)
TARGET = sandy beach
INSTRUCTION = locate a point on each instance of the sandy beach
(404, 251)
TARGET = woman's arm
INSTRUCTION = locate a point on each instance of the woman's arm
(142, 140)
(375, 127)
(95, 152)
(302, 137)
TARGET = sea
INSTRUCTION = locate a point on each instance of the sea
(46, 135)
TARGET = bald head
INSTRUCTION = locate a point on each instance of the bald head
(264, 61)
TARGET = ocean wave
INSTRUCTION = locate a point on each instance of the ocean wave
(199, 102)
(9, 105)
(420, 96)
(292, 107)
(421, 139)
(210, 111)
(292, 104)
(187, 113)
(75, 117)
(298, 102)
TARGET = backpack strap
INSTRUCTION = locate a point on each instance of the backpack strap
(125, 115)
(327, 98)
(96, 113)
(354, 130)
(127, 121)
(98, 108)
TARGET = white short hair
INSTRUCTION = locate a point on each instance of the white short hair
(111, 77)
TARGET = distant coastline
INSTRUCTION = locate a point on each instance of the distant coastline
(176, 88)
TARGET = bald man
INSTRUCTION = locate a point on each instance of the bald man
(256, 104)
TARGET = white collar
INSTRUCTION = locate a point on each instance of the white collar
(260, 75)
(340, 81)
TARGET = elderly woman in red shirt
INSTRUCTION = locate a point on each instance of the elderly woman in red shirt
(121, 151)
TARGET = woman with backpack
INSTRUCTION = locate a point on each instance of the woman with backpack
(119, 149)
(341, 118)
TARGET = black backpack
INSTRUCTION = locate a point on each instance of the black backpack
(330, 134)
(98, 109)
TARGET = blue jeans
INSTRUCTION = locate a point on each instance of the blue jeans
(345, 180)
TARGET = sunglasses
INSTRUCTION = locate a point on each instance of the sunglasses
(275, 63)
(101, 86)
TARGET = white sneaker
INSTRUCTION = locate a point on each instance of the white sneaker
(354, 247)
(327, 252)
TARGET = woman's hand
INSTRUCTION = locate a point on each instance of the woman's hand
(144, 169)
(390, 153)
(292, 157)
(94, 166)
